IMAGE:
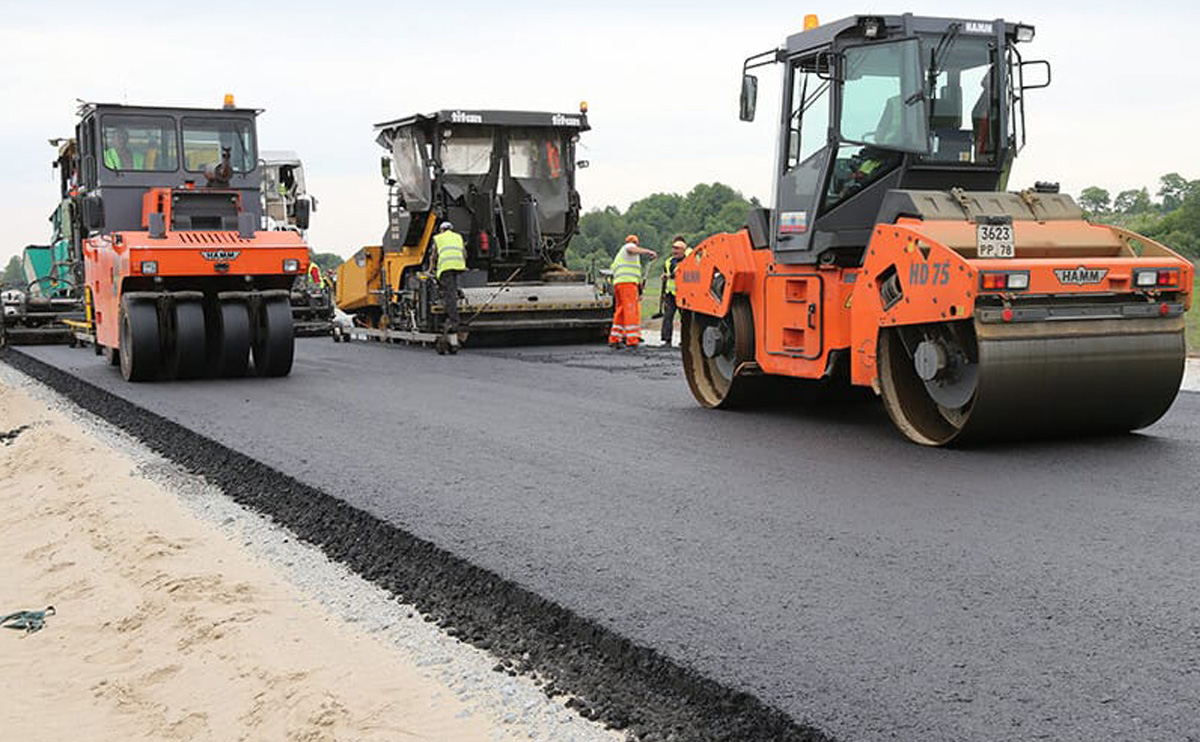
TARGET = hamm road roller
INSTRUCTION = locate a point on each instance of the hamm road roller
(895, 258)
(181, 279)
(506, 181)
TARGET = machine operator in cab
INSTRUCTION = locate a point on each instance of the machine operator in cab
(627, 283)
(450, 257)
(679, 251)
(118, 155)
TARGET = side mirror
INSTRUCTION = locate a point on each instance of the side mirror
(1040, 76)
(582, 164)
(93, 213)
(385, 168)
(303, 212)
(749, 97)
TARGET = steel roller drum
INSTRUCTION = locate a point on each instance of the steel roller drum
(1051, 379)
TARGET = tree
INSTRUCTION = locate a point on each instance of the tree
(1132, 201)
(327, 261)
(1094, 200)
(1173, 189)
(14, 276)
(706, 210)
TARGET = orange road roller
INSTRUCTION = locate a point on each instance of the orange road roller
(182, 281)
(895, 258)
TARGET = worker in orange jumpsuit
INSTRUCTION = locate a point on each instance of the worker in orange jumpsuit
(627, 284)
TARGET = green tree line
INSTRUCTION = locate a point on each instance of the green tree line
(706, 210)
(1170, 216)
(14, 276)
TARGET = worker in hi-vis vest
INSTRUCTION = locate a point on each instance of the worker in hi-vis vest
(627, 279)
(679, 250)
(450, 257)
(118, 155)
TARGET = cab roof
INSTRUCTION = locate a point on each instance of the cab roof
(529, 119)
(87, 108)
(898, 26)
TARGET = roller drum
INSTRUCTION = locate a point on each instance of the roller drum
(1044, 380)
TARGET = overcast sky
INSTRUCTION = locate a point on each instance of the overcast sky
(661, 79)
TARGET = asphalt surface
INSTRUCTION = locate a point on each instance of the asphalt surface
(808, 555)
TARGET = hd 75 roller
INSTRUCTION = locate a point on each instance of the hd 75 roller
(895, 258)
(181, 279)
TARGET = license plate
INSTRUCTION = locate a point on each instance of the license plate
(994, 240)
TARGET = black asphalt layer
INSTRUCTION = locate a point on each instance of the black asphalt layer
(807, 555)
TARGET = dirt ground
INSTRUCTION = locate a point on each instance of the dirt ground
(165, 629)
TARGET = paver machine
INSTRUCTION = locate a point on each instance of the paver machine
(506, 181)
(182, 281)
(895, 258)
(287, 206)
(49, 298)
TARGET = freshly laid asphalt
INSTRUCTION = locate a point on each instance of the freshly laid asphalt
(808, 555)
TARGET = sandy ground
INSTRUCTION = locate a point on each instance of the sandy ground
(165, 628)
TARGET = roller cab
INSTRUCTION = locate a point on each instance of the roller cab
(895, 258)
(182, 279)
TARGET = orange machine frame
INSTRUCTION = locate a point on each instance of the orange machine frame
(803, 313)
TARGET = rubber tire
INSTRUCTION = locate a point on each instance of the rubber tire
(228, 339)
(188, 348)
(112, 355)
(274, 338)
(140, 343)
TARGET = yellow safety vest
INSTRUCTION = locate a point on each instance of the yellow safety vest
(112, 160)
(669, 274)
(626, 267)
(451, 256)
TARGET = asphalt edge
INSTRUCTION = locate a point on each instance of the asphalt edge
(607, 677)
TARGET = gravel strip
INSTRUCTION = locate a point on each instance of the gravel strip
(599, 675)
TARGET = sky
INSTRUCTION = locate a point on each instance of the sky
(661, 80)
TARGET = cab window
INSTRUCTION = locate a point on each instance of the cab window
(808, 124)
(536, 155)
(139, 143)
(469, 154)
(204, 141)
(883, 100)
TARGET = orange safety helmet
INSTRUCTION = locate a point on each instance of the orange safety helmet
(631, 238)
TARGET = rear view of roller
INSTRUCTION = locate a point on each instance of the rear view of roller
(182, 280)
(895, 258)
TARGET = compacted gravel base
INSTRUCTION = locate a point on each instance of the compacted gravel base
(606, 677)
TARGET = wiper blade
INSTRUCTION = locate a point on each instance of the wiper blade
(938, 55)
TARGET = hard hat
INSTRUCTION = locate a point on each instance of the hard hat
(444, 226)
(631, 238)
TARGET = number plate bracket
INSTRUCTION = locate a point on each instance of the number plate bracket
(994, 237)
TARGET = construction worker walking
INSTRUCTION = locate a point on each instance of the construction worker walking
(450, 256)
(679, 250)
(627, 280)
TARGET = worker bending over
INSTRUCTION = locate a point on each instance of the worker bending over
(627, 280)
(450, 258)
(679, 251)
